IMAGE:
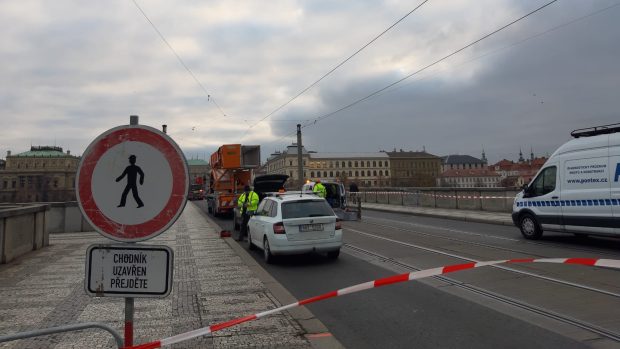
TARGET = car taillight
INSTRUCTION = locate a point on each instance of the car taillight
(338, 223)
(278, 228)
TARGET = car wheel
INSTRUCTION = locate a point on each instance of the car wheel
(333, 254)
(251, 246)
(530, 227)
(267, 252)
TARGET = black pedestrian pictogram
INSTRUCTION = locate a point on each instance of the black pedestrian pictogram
(131, 172)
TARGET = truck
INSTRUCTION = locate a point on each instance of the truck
(232, 167)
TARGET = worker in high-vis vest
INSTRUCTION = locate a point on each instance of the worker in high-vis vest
(247, 203)
(319, 189)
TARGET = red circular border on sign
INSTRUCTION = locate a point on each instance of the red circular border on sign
(177, 198)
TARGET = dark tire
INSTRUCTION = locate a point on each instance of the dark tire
(529, 227)
(251, 246)
(333, 254)
(267, 252)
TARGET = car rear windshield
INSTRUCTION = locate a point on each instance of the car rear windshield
(306, 208)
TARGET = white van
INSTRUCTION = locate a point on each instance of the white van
(577, 190)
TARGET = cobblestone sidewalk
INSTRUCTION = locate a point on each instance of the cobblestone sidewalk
(211, 284)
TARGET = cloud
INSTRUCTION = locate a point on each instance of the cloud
(75, 71)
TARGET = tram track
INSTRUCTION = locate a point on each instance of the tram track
(501, 267)
(501, 298)
(481, 244)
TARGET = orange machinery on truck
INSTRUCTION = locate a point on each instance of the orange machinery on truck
(232, 167)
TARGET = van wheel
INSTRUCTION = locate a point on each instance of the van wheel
(251, 246)
(530, 227)
(267, 252)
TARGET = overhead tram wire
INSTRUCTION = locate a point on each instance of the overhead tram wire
(209, 97)
(336, 67)
(522, 41)
(427, 66)
(416, 72)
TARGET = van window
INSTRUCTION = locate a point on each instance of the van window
(544, 183)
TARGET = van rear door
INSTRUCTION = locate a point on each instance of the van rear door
(614, 180)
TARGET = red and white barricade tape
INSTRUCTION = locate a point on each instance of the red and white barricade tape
(416, 275)
(443, 196)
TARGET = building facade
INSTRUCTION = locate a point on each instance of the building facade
(285, 163)
(198, 171)
(413, 168)
(43, 174)
(516, 174)
(365, 169)
(466, 178)
(462, 162)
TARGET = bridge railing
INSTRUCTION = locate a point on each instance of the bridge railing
(482, 199)
(25, 227)
(22, 229)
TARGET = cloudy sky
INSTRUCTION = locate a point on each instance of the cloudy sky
(73, 69)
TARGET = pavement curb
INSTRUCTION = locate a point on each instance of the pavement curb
(439, 215)
(316, 332)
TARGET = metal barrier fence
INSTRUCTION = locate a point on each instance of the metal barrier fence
(463, 199)
(64, 328)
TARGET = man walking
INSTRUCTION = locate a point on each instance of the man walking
(131, 172)
(247, 202)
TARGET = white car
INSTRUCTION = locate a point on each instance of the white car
(294, 223)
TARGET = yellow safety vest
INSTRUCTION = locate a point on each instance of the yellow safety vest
(252, 201)
(320, 190)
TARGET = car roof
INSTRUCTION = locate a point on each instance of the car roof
(294, 196)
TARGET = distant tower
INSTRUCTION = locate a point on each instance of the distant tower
(532, 154)
(484, 157)
(521, 159)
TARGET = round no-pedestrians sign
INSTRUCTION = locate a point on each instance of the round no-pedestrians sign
(132, 183)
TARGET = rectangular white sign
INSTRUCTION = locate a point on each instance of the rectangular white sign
(128, 271)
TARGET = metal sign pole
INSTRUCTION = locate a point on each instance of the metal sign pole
(129, 321)
(133, 120)
(130, 270)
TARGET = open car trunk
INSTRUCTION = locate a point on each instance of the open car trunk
(268, 184)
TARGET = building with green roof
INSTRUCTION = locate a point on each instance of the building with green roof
(42, 174)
